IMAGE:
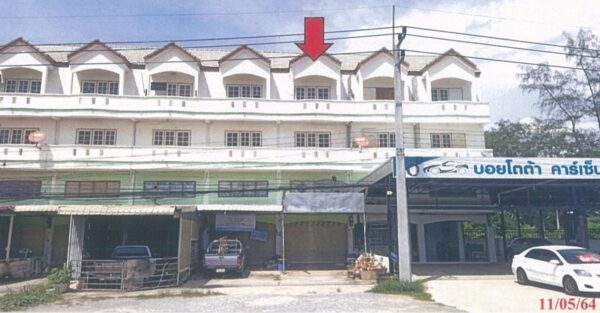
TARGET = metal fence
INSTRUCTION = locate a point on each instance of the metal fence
(135, 274)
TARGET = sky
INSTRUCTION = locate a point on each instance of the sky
(52, 21)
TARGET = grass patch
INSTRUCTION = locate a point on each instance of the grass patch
(29, 296)
(415, 289)
(183, 294)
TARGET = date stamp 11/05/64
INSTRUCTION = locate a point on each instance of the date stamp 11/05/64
(567, 304)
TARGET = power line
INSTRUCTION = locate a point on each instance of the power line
(186, 14)
(498, 38)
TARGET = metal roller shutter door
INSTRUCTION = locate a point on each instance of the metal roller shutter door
(315, 244)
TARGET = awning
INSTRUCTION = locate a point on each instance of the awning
(97, 209)
(241, 207)
(7, 209)
(324, 202)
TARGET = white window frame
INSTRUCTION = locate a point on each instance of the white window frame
(311, 139)
(111, 87)
(243, 138)
(386, 140)
(243, 189)
(15, 86)
(247, 91)
(448, 140)
(105, 134)
(16, 136)
(312, 92)
(172, 137)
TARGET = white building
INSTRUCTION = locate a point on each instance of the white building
(147, 131)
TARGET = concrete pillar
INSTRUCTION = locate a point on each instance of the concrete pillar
(278, 234)
(490, 236)
(338, 89)
(132, 187)
(47, 254)
(350, 238)
(75, 245)
(122, 83)
(44, 82)
(9, 239)
(421, 243)
(53, 187)
(268, 87)
(207, 134)
(461, 241)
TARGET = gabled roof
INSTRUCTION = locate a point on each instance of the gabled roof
(244, 47)
(381, 51)
(170, 45)
(327, 55)
(87, 47)
(450, 53)
(22, 42)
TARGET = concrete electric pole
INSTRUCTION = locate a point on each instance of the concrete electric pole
(404, 259)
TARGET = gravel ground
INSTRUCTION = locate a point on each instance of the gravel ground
(339, 302)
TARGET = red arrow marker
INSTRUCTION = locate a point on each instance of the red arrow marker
(314, 45)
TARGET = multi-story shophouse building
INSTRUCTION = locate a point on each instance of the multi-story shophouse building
(135, 137)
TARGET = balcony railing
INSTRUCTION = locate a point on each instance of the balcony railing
(128, 158)
(239, 109)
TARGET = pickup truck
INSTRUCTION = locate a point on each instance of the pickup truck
(225, 255)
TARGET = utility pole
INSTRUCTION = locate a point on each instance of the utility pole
(404, 259)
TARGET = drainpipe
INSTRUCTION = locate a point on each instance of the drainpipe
(9, 241)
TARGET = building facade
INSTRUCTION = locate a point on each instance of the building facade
(133, 136)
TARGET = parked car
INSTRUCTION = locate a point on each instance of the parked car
(127, 267)
(225, 255)
(575, 269)
(520, 244)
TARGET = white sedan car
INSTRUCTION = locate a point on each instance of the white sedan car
(575, 269)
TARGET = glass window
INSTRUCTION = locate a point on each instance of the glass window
(84, 137)
(171, 90)
(245, 91)
(88, 87)
(299, 93)
(183, 138)
(300, 139)
(323, 93)
(579, 256)
(185, 90)
(439, 94)
(26, 134)
(446, 142)
(23, 86)
(103, 87)
(323, 140)
(113, 88)
(257, 91)
(11, 86)
(98, 137)
(435, 141)
(169, 138)
(311, 140)
(20, 189)
(36, 86)
(158, 138)
(110, 137)
(243, 189)
(233, 91)
(383, 140)
(170, 189)
(244, 139)
(4, 136)
(256, 139)
(16, 136)
(232, 139)
(92, 188)
(311, 93)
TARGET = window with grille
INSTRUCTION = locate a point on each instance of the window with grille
(169, 189)
(229, 188)
(448, 140)
(387, 140)
(100, 87)
(243, 139)
(313, 139)
(96, 137)
(310, 92)
(92, 188)
(16, 136)
(244, 91)
(168, 137)
(23, 86)
(447, 94)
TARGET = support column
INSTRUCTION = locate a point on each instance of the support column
(349, 135)
(461, 242)
(47, 253)
(278, 127)
(491, 241)
(278, 234)
(132, 187)
(421, 243)
(350, 238)
(9, 239)
(207, 132)
(503, 225)
(44, 82)
(75, 245)
(122, 83)
(268, 87)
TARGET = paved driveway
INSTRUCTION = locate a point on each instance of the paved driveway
(493, 293)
